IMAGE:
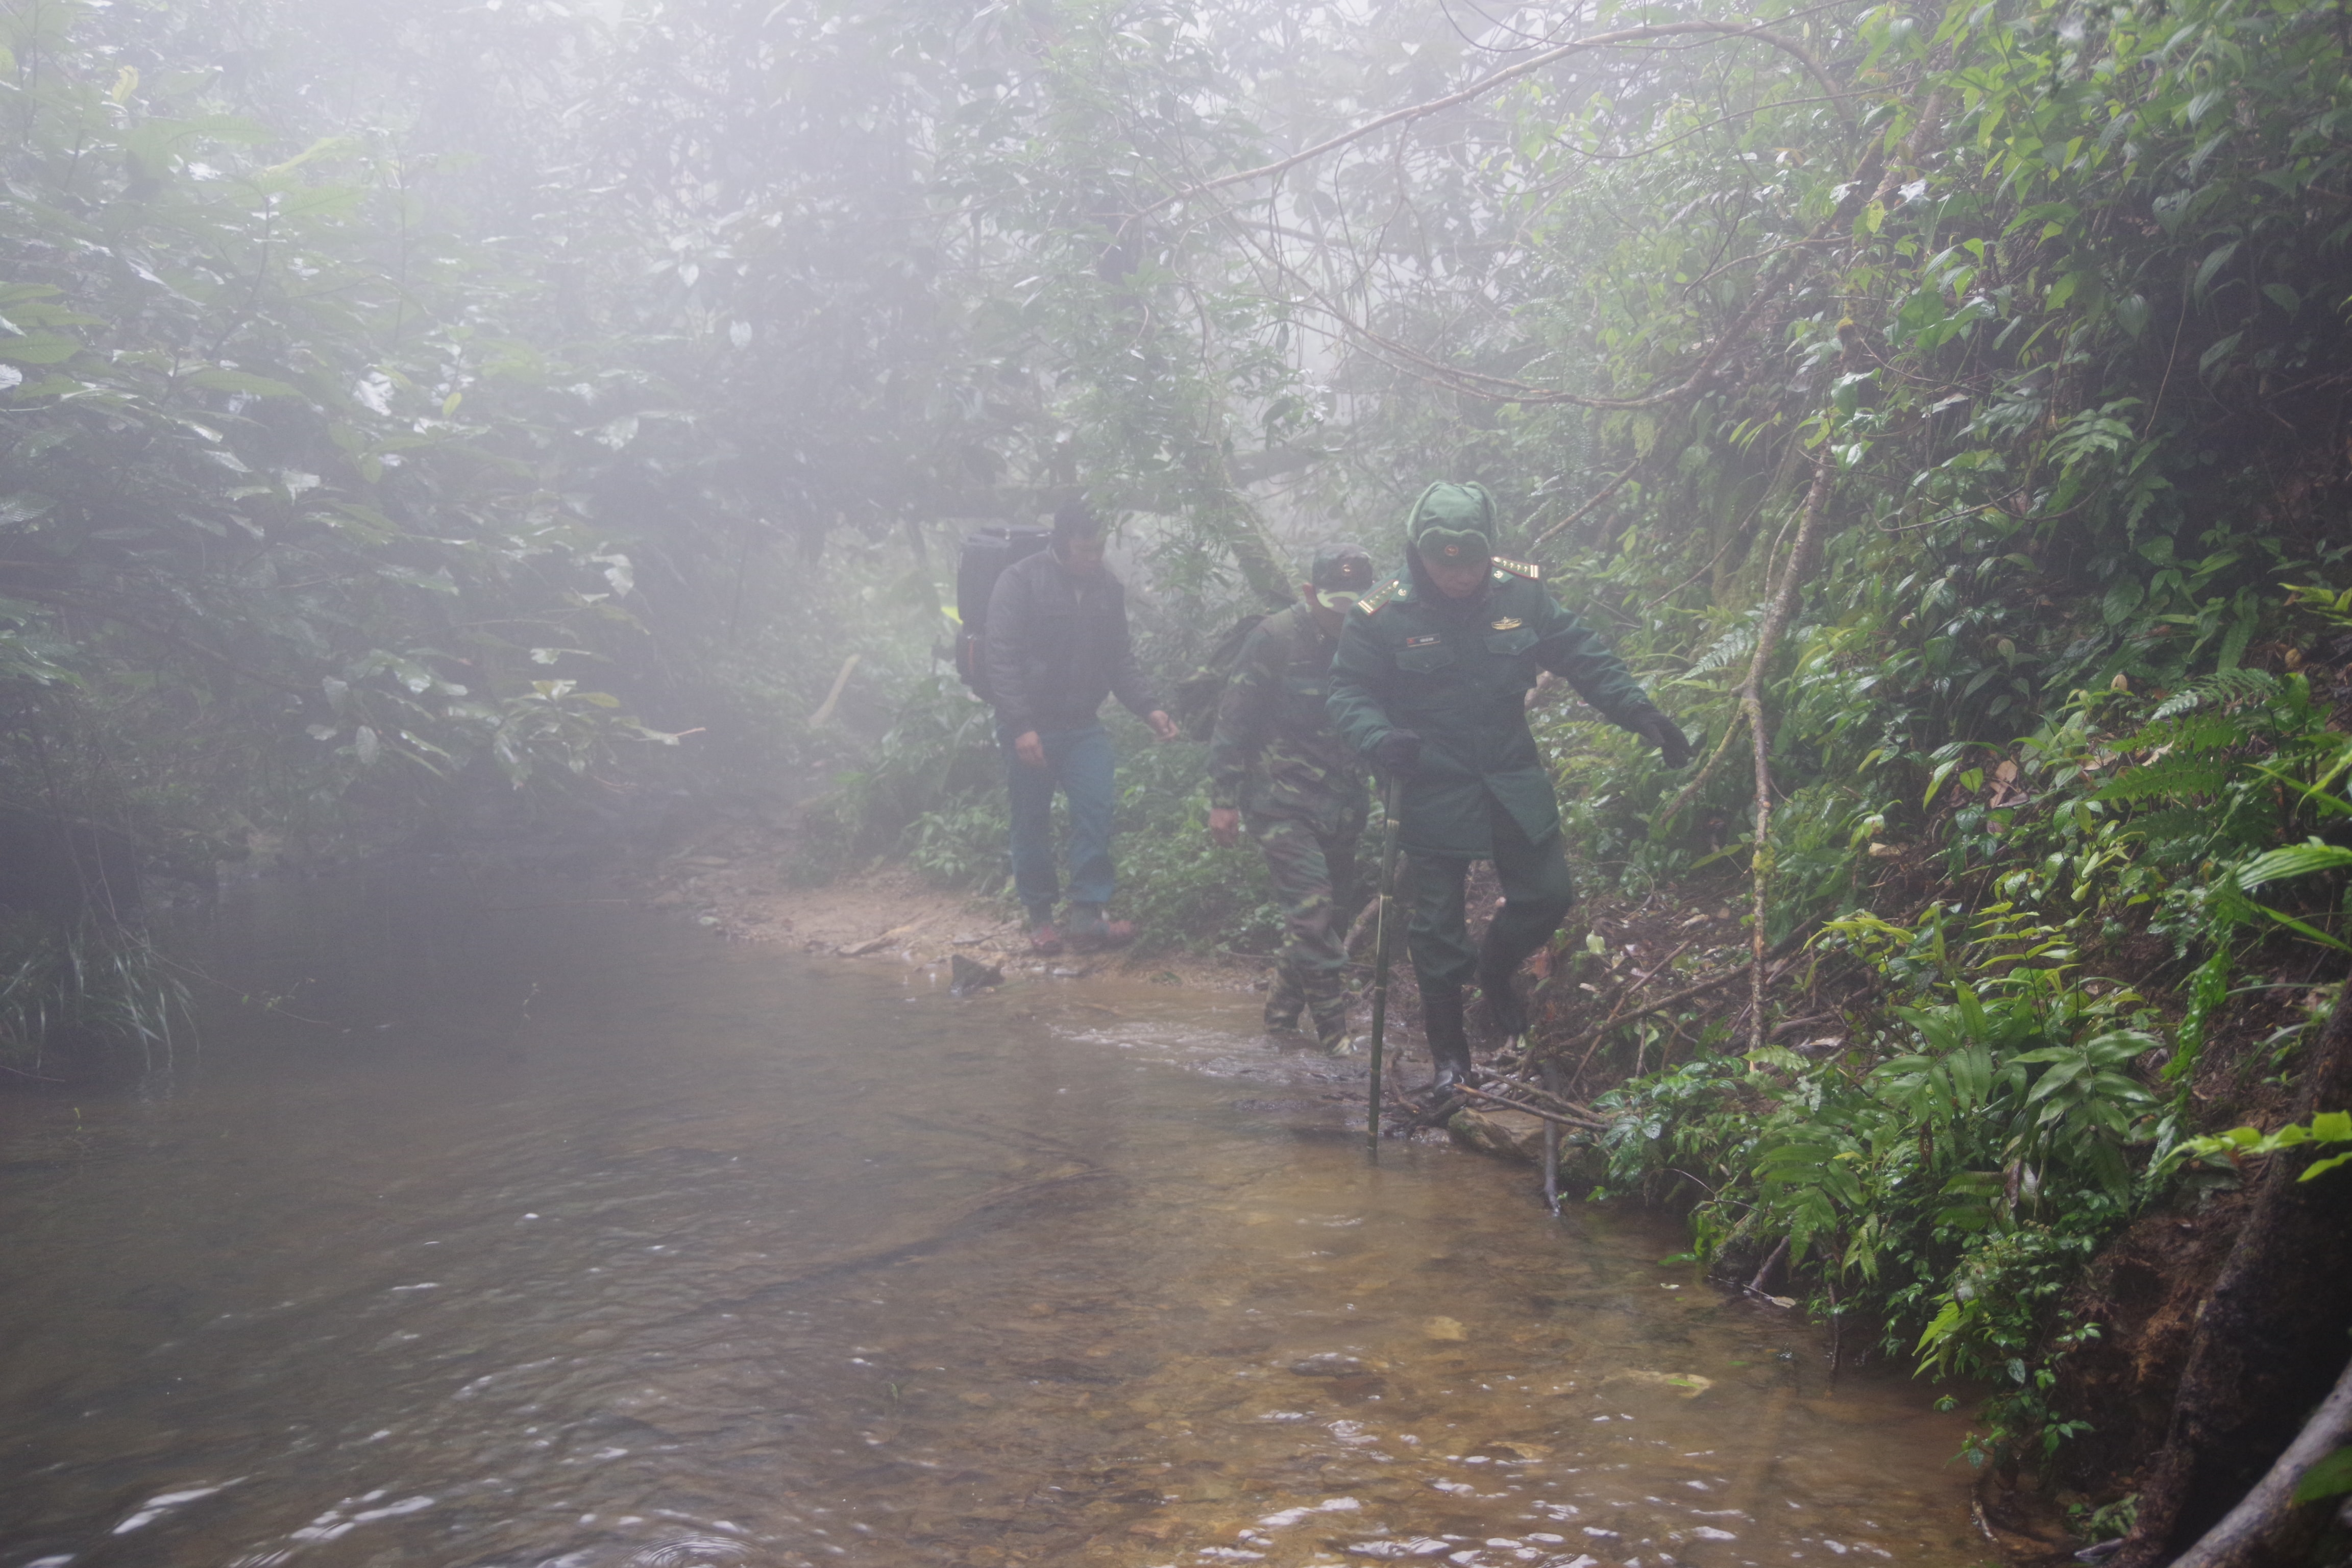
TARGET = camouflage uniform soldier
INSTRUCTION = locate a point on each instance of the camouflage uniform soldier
(1276, 764)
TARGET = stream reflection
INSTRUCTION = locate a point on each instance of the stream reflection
(549, 1235)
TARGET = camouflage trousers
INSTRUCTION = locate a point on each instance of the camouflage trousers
(1314, 874)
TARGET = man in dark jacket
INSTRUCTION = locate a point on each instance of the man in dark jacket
(1057, 644)
(1277, 766)
(1431, 682)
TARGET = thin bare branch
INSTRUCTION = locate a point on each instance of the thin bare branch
(1493, 79)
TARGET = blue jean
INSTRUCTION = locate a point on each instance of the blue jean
(1077, 762)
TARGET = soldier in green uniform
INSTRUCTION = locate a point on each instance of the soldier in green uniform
(1431, 682)
(1277, 766)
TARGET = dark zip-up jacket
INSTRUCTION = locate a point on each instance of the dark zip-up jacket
(1456, 673)
(1057, 644)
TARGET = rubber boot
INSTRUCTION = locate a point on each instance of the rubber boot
(1499, 989)
(1449, 1040)
(1284, 1000)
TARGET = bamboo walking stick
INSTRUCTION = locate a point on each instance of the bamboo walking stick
(1549, 1073)
(1382, 934)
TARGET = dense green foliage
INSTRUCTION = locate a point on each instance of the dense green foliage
(411, 421)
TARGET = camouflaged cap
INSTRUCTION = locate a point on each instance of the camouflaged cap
(1342, 571)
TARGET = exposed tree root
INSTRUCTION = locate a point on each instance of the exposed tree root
(2271, 1332)
(2269, 1529)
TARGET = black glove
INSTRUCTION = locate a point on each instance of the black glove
(1673, 748)
(1397, 753)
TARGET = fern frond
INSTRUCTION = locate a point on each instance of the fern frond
(1734, 645)
(2169, 779)
(2222, 689)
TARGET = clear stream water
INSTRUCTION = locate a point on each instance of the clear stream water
(547, 1234)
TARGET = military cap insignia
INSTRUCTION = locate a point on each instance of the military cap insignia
(1507, 568)
(1391, 589)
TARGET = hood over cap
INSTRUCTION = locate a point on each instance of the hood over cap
(1453, 521)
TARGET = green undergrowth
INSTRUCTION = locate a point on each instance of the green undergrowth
(2021, 1015)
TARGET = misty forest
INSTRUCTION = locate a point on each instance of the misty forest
(519, 450)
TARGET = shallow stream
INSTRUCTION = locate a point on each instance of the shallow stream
(525, 1231)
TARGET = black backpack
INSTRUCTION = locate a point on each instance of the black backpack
(980, 562)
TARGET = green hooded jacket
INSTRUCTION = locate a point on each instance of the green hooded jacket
(1456, 672)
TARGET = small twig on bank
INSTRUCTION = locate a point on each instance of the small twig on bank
(1551, 1096)
(1685, 994)
(1563, 1118)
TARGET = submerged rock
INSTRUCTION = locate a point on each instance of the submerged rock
(1514, 1134)
(970, 976)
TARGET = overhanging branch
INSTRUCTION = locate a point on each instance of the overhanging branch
(1616, 38)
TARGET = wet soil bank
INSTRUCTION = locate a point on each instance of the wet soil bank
(738, 880)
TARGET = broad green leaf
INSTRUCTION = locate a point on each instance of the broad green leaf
(39, 348)
(2295, 861)
(2331, 1477)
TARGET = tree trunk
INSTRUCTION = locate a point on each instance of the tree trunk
(2269, 1337)
(1802, 556)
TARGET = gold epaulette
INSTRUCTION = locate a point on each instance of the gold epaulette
(1528, 569)
(1381, 595)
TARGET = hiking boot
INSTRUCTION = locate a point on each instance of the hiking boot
(1283, 1001)
(1449, 1042)
(1044, 937)
(1090, 932)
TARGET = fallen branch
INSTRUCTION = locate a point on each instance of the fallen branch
(1539, 1102)
(1552, 1116)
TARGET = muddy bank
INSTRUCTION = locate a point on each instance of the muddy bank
(738, 880)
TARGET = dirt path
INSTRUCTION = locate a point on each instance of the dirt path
(736, 879)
